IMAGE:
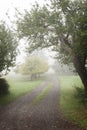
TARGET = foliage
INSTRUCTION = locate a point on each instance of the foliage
(33, 66)
(4, 87)
(81, 95)
(8, 45)
(62, 24)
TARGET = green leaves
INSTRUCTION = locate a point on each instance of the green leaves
(33, 65)
(8, 46)
(63, 24)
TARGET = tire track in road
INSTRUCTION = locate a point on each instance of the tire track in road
(43, 94)
(13, 113)
(46, 115)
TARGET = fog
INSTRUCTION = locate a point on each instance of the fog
(7, 13)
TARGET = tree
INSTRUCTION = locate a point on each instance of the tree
(63, 25)
(8, 45)
(33, 66)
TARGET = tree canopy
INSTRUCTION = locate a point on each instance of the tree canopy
(33, 66)
(8, 45)
(61, 24)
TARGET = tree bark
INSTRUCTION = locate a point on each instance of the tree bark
(81, 70)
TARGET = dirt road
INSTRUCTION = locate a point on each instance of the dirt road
(23, 114)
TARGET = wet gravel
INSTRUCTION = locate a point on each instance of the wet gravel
(22, 114)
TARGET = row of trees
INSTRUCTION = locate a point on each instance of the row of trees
(62, 25)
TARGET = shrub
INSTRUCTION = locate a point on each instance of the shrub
(81, 95)
(4, 87)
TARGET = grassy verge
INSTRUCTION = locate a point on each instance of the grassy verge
(71, 106)
(17, 89)
(42, 94)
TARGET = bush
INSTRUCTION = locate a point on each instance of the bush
(81, 94)
(4, 87)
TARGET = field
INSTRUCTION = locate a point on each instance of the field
(71, 105)
(18, 88)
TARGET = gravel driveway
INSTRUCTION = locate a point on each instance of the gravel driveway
(22, 114)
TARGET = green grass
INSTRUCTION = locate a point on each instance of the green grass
(42, 94)
(17, 89)
(71, 106)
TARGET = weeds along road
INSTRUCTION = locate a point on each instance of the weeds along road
(38, 110)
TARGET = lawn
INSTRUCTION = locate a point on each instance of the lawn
(71, 106)
(17, 89)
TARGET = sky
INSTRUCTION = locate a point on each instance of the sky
(8, 7)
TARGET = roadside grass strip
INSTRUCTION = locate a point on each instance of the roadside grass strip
(18, 89)
(71, 106)
(41, 96)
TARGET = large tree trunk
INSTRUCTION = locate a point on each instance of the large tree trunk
(81, 70)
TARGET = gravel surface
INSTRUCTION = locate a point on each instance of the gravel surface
(22, 114)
